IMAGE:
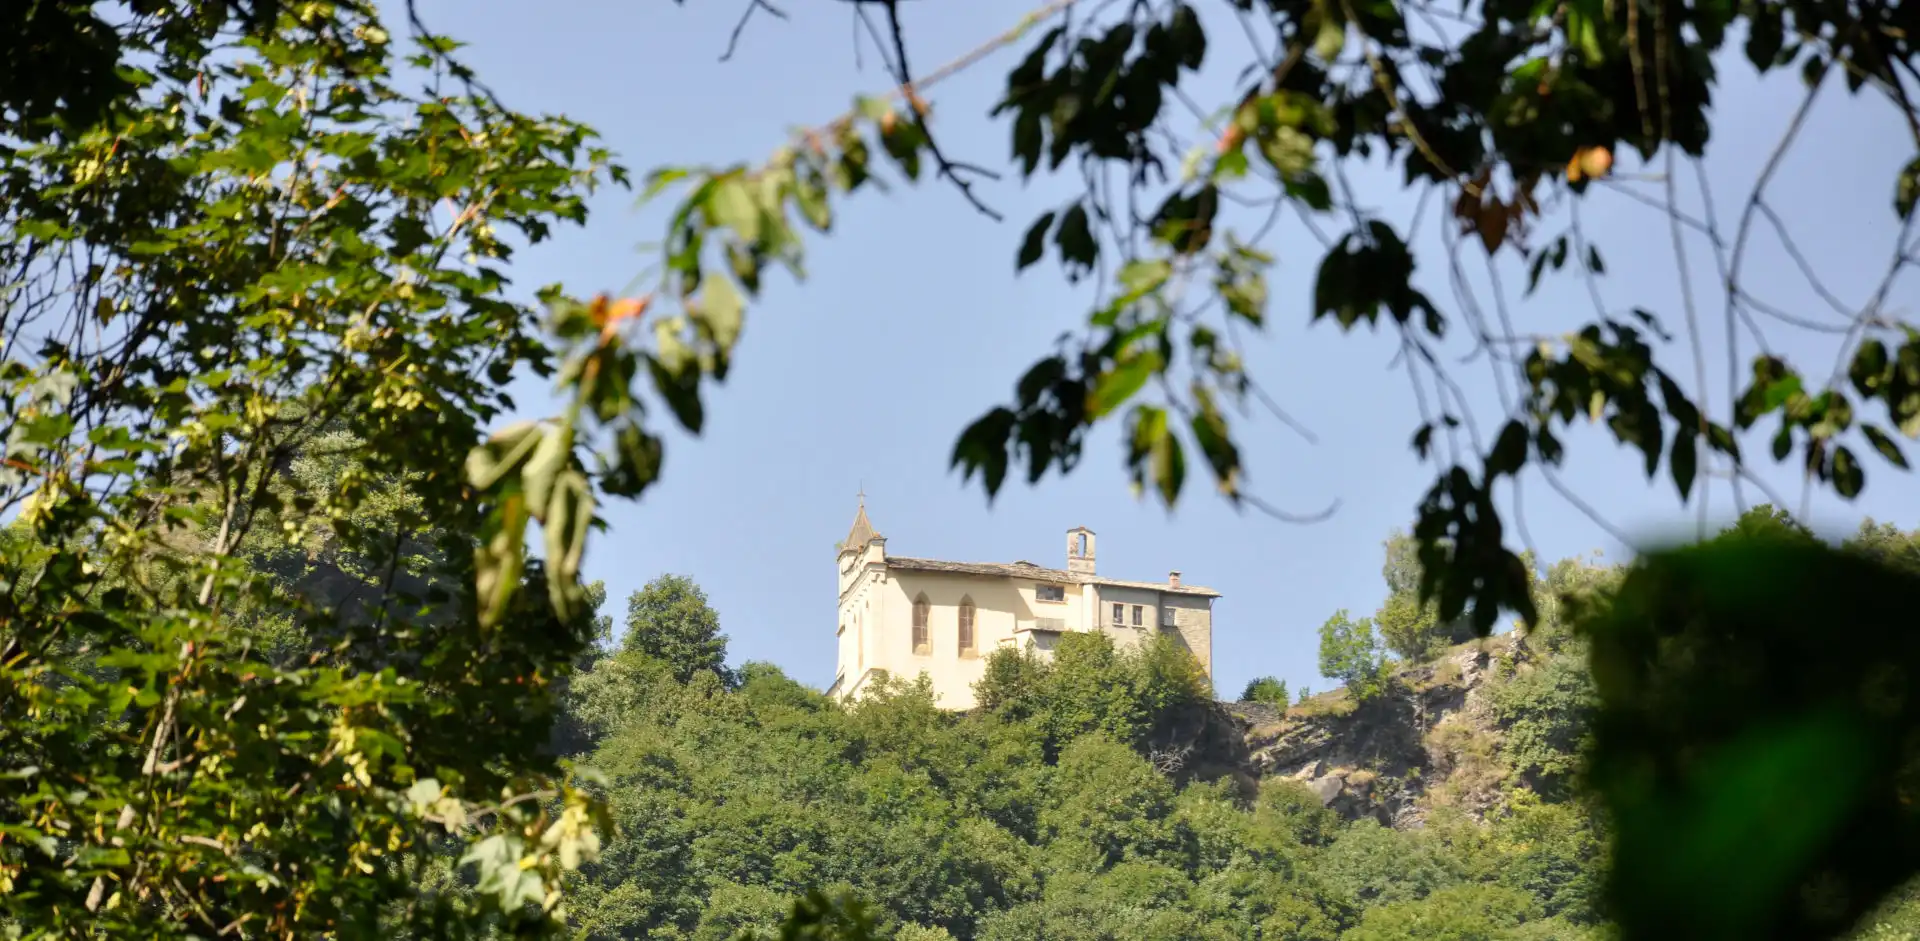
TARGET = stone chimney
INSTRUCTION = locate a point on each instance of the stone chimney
(1080, 550)
(1173, 578)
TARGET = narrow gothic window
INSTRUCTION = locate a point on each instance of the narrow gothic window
(966, 627)
(921, 642)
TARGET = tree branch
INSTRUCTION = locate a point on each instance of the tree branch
(753, 6)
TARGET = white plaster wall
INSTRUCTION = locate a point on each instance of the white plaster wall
(1003, 609)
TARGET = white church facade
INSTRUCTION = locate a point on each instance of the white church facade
(908, 616)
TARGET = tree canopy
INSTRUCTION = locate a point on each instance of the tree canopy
(266, 646)
(671, 621)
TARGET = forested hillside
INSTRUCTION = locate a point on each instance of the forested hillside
(1094, 797)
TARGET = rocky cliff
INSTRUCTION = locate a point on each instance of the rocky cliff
(1430, 740)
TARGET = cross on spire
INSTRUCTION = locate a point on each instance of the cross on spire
(863, 531)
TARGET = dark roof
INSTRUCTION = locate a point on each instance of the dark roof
(1038, 573)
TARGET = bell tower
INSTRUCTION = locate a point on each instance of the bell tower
(863, 545)
(1080, 550)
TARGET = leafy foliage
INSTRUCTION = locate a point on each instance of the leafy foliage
(1268, 690)
(1139, 697)
(269, 663)
(769, 811)
(1715, 694)
(670, 621)
(1350, 653)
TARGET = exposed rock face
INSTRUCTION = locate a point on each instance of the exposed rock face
(1429, 734)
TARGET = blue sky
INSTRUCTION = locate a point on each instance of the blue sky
(913, 322)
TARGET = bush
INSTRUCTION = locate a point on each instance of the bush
(1089, 686)
(1268, 690)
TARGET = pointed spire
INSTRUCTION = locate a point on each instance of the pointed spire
(863, 531)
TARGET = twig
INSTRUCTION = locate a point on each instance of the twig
(904, 75)
(1274, 408)
(1759, 187)
(1733, 336)
(1692, 313)
(1553, 480)
(1287, 517)
(733, 41)
(1806, 267)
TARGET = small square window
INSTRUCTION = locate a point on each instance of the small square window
(1166, 618)
(1050, 593)
(1139, 613)
(1119, 614)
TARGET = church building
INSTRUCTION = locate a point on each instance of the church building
(907, 616)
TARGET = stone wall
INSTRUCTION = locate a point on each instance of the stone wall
(1193, 625)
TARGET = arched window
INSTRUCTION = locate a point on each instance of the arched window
(967, 647)
(1081, 540)
(922, 642)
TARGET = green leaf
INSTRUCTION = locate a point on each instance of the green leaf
(423, 794)
(1330, 31)
(1141, 277)
(1884, 443)
(1157, 453)
(1583, 26)
(872, 107)
(730, 204)
(1813, 70)
(1766, 34)
(1906, 190)
(1848, 476)
(1210, 431)
(500, 558)
(552, 454)
(1509, 452)
(1115, 386)
(1188, 36)
(1423, 440)
(1869, 367)
(1075, 238)
(810, 192)
(568, 517)
(1309, 188)
(1682, 461)
(982, 449)
(659, 180)
(502, 454)
(1780, 392)
(1035, 242)
(721, 310)
(680, 386)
